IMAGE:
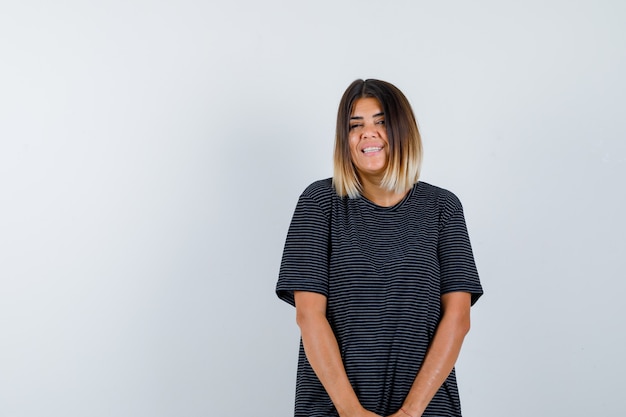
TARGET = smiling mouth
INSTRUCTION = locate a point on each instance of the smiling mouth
(371, 149)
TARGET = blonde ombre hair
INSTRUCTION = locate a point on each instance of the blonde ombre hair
(405, 143)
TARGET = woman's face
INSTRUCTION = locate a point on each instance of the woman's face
(367, 137)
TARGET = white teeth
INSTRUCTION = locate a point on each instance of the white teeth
(371, 149)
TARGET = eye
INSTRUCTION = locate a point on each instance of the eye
(355, 125)
(380, 122)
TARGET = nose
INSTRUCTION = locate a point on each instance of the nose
(369, 131)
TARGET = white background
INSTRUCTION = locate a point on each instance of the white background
(152, 152)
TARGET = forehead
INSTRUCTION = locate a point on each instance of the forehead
(366, 106)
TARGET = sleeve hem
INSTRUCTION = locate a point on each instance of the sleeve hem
(286, 294)
(476, 294)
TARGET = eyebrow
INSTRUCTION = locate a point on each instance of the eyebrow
(361, 118)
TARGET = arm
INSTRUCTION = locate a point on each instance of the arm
(442, 353)
(322, 351)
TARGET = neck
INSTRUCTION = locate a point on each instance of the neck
(381, 196)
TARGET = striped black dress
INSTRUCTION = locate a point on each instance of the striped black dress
(383, 271)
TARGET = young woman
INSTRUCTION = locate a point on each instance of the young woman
(380, 269)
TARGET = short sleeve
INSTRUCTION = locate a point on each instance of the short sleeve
(456, 259)
(304, 265)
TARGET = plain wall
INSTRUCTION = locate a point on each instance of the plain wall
(152, 152)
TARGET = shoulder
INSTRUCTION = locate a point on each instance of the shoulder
(442, 203)
(443, 198)
(321, 191)
(317, 199)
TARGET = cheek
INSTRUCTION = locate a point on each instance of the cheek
(352, 144)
